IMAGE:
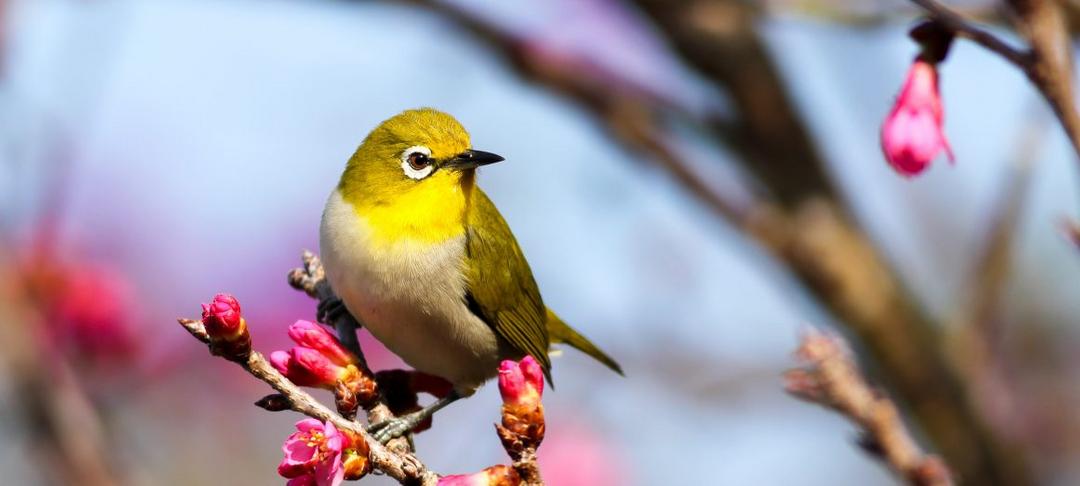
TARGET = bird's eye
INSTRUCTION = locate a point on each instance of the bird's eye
(416, 162)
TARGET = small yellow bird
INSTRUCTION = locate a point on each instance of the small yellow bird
(423, 259)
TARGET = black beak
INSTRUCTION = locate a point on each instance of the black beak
(471, 159)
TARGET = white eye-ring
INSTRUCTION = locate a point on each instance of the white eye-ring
(416, 162)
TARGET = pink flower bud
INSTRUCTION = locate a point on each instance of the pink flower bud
(521, 383)
(222, 317)
(913, 133)
(227, 330)
(314, 336)
(499, 475)
(307, 367)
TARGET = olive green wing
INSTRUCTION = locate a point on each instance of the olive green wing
(501, 288)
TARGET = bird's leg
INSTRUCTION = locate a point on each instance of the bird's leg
(399, 426)
(329, 310)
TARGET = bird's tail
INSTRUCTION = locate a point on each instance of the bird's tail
(560, 332)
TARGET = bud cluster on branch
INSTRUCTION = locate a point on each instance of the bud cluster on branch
(327, 447)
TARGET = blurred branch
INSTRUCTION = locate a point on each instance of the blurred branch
(1071, 230)
(311, 279)
(993, 263)
(1048, 60)
(629, 113)
(720, 40)
(963, 28)
(403, 467)
(818, 239)
(861, 13)
(68, 435)
(831, 378)
(1042, 22)
(806, 228)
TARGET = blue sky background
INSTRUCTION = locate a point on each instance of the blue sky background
(204, 137)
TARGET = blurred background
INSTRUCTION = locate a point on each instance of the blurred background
(693, 182)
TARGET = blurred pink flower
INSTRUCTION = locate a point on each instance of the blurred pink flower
(92, 310)
(575, 454)
(499, 475)
(313, 454)
(913, 133)
(521, 383)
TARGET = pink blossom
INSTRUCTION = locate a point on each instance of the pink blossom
(314, 336)
(493, 476)
(913, 133)
(305, 480)
(475, 479)
(308, 367)
(92, 310)
(313, 454)
(222, 317)
(576, 454)
(521, 383)
(319, 360)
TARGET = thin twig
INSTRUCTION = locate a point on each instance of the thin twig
(311, 279)
(1042, 22)
(1047, 62)
(67, 434)
(403, 467)
(963, 28)
(831, 378)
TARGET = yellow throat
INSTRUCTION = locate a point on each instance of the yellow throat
(399, 207)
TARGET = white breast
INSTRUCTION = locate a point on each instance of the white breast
(411, 296)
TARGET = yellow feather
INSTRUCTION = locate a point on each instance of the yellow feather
(398, 208)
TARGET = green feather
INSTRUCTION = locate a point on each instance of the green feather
(503, 293)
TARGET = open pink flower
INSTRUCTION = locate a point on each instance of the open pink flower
(313, 454)
(521, 383)
(913, 133)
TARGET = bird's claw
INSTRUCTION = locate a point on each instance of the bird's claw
(388, 430)
(329, 310)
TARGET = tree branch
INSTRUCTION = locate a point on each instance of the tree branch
(961, 27)
(403, 467)
(808, 231)
(311, 279)
(831, 378)
(1048, 61)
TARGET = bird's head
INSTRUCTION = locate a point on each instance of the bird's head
(417, 153)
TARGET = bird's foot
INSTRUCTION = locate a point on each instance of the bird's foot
(329, 310)
(399, 426)
(388, 430)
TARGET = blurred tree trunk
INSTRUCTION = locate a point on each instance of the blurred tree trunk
(825, 247)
